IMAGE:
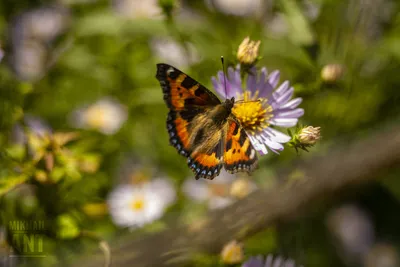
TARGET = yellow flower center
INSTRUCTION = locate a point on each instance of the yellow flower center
(95, 117)
(252, 113)
(137, 204)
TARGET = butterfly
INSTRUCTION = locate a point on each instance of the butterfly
(202, 128)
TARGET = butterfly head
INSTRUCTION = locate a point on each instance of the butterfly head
(229, 103)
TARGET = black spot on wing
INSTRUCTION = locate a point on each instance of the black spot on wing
(188, 82)
(243, 137)
(189, 114)
(249, 149)
(228, 145)
(199, 92)
(190, 101)
(237, 127)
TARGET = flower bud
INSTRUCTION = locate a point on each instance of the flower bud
(332, 72)
(232, 253)
(248, 51)
(309, 135)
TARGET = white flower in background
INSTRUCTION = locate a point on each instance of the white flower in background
(353, 232)
(139, 173)
(312, 9)
(29, 60)
(106, 115)
(46, 23)
(242, 187)
(218, 193)
(242, 8)
(277, 26)
(42, 24)
(137, 9)
(165, 188)
(173, 53)
(134, 205)
(30, 33)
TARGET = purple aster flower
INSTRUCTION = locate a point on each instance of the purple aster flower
(269, 262)
(260, 105)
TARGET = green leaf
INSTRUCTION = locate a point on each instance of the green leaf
(262, 243)
(16, 152)
(67, 227)
(10, 182)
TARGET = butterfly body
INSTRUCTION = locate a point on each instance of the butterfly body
(202, 128)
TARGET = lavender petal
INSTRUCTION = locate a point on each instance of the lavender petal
(273, 78)
(289, 113)
(259, 146)
(277, 136)
(284, 98)
(282, 88)
(292, 103)
(284, 122)
(251, 83)
(218, 87)
(271, 144)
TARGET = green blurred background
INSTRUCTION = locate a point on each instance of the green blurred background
(60, 58)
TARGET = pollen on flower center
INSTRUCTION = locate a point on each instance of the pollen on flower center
(252, 114)
(137, 204)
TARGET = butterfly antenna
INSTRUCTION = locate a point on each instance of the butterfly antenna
(223, 70)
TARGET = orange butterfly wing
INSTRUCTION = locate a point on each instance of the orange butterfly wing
(239, 153)
(182, 92)
(207, 165)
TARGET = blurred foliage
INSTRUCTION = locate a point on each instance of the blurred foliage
(62, 175)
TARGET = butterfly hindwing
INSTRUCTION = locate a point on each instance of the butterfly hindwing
(182, 92)
(207, 164)
(239, 153)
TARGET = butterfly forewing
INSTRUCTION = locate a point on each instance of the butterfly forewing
(181, 91)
